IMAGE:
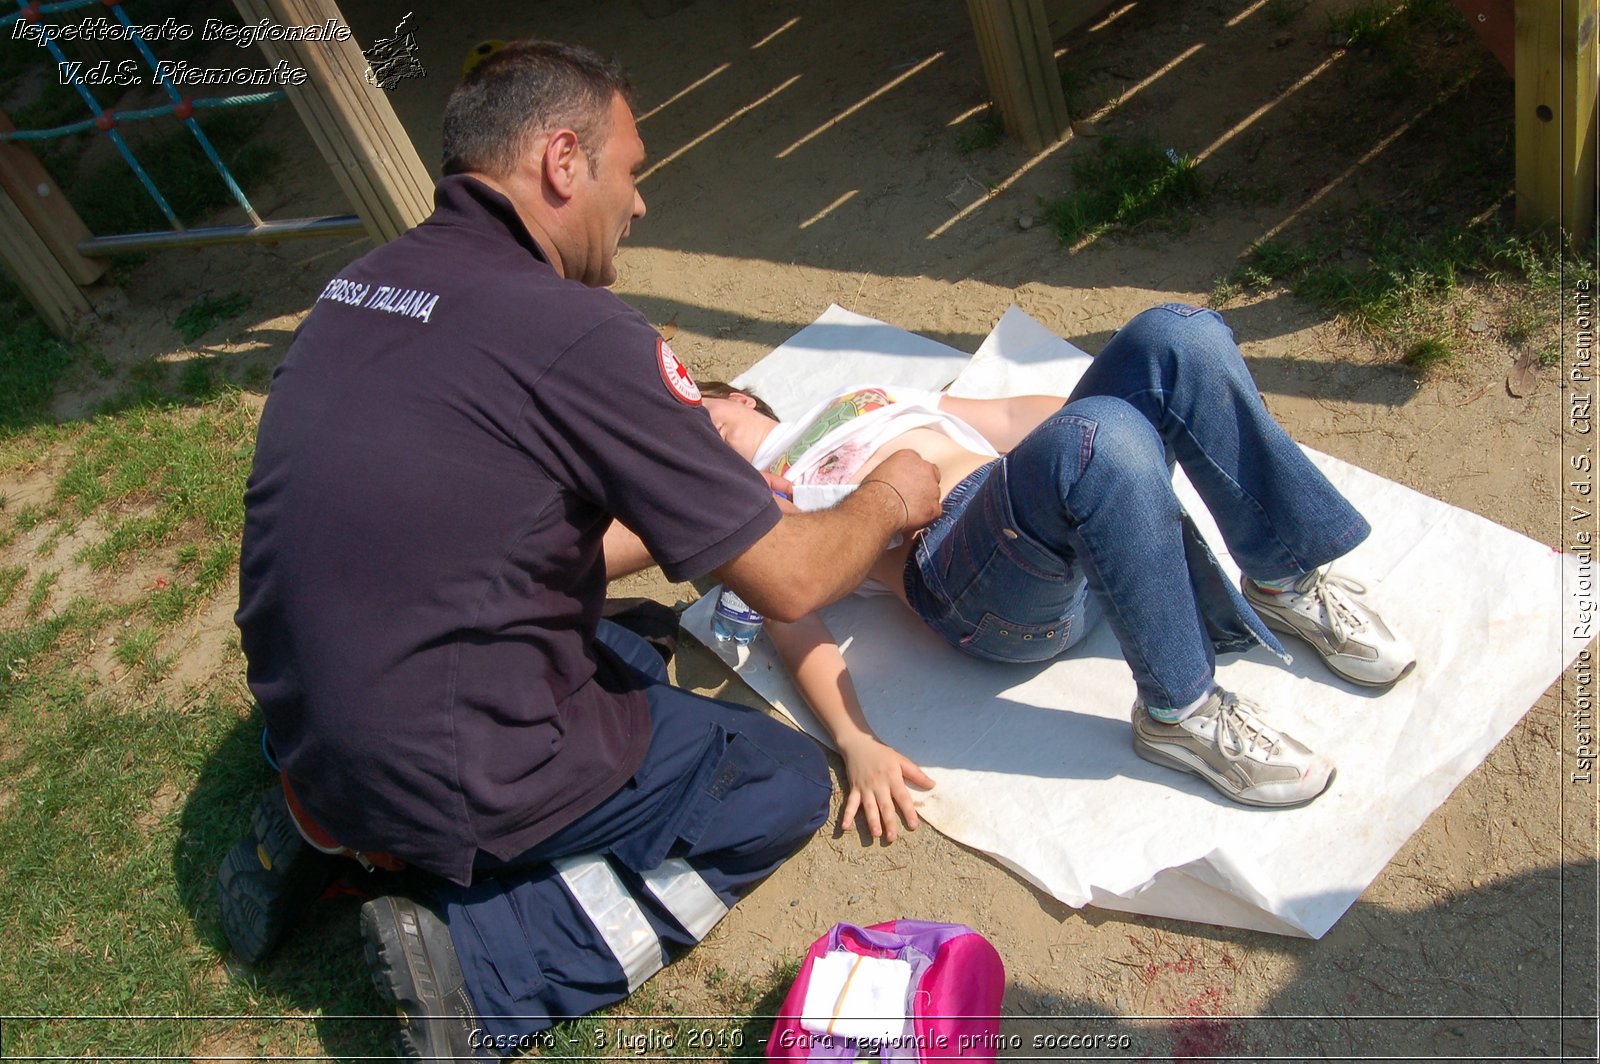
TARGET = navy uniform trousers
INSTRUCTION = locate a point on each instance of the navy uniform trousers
(724, 796)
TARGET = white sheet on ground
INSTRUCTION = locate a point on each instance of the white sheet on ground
(1034, 763)
(840, 347)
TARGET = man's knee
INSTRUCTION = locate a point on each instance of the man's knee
(793, 802)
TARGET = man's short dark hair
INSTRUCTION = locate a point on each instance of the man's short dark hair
(525, 89)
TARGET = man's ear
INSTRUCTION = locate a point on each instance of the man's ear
(742, 399)
(561, 159)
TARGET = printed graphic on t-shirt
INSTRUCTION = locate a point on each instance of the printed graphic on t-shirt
(676, 374)
(842, 464)
(843, 409)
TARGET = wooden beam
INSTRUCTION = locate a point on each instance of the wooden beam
(36, 195)
(1019, 62)
(1493, 20)
(42, 278)
(1555, 115)
(350, 119)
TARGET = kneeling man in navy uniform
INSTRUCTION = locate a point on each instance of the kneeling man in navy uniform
(462, 418)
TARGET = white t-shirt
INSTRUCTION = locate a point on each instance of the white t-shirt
(828, 444)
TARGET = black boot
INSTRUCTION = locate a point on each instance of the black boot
(268, 879)
(415, 968)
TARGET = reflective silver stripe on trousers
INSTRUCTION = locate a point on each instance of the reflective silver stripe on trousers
(614, 913)
(689, 899)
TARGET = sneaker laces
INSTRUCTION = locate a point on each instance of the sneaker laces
(1238, 730)
(1332, 594)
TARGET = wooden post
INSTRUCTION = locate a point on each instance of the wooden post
(37, 196)
(1555, 115)
(350, 119)
(1019, 63)
(42, 278)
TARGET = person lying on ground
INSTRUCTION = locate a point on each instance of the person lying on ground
(1056, 514)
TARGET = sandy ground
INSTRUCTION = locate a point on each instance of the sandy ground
(806, 153)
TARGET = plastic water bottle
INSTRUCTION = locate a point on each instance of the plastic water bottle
(733, 621)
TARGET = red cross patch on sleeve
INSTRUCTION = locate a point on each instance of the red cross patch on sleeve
(676, 374)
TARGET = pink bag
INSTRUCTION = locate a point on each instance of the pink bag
(953, 1011)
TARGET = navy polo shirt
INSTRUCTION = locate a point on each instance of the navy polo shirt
(444, 444)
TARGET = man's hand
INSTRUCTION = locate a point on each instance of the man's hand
(915, 480)
(811, 559)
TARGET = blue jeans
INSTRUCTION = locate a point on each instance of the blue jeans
(1086, 500)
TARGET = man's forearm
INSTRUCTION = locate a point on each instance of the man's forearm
(812, 559)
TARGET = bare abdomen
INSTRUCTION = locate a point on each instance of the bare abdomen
(954, 462)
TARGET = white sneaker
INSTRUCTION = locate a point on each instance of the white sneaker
(1328, 612)
(1226, 744)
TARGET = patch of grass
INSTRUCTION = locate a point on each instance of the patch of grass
(91, 896)
(147, 383)
(170, 604)
(32, 363)
(172, 474)
(196, 378)
(11, 577)
(207, 312)
(1526, 317)
(257, 376)
(1224, 291)
(1382, 24)
(1403, 48)
(983, 134)
(137, 647)
(1428, 353)
(1124, 183)
(217, 563)
(29, 517)
(40, 592)
(107, 867)
(1275, 261)
(1366, 25)
(1390, 280)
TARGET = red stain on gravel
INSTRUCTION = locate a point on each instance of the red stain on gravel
(1199, 1034)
